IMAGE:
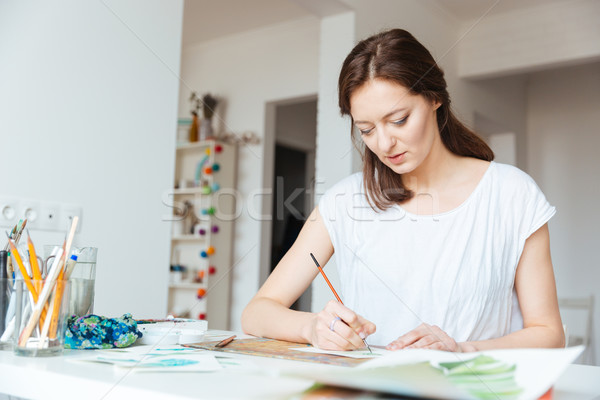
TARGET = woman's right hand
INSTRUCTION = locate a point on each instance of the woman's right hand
(337, 327)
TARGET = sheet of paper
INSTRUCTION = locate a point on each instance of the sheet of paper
(201, 362)
(512, 373)
(360, 353)
(418, 380)
(153, 350)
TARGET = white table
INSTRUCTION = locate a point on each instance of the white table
(58, 378)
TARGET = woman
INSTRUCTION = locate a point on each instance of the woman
(437, 246)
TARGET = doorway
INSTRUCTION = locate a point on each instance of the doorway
(293, 131)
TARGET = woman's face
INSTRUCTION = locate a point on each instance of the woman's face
(399, 127)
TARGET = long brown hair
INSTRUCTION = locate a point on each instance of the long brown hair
(395, 55)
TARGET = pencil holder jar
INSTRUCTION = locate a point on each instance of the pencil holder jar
(82, 278)
(83, 281)
(40, 316)
(7, 313)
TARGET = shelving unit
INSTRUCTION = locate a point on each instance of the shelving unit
(207, 227)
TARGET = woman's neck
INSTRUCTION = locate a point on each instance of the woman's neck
(435, 173)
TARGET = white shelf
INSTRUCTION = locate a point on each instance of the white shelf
(188, 238)
(196, 145)
(187, 285)
(193, 190)
(186, 248)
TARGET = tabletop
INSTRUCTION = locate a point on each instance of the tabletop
(248, 377)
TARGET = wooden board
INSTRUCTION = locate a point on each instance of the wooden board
(264, 347)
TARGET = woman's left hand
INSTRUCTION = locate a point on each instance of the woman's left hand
(427, 336)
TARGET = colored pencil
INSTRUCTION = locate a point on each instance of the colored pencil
(15, 254)
(35, 268)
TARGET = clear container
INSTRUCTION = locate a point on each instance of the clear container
(83, 279)
(40, 325)
(7, 314)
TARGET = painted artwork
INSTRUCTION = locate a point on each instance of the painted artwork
(169, 362)
(517, 374)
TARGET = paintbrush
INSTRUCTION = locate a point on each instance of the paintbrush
(60, 285)
(334, 292)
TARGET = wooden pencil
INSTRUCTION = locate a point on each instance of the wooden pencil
(15, 254)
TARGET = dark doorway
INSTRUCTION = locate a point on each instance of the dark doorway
(289, 205)
(293, 124)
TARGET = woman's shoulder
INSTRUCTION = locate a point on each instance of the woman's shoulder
(340, 197)
(349, 185)
(513, 181)
(510, 173)
(342, 192)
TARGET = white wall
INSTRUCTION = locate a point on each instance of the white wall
(531, 39)
(334, 158)
(501, 101)
(564, 138)
(88, 112)
(248, 71)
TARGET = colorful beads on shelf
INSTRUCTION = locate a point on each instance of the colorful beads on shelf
(200, 293)
(199, 276)
(211, 270)
(208, 252)
(216, 167)
(218, 148)
(213, 229)
(208, 211)
(215, 187)
(201, 316)
(199, 167)
(208, 170)
(207, 151)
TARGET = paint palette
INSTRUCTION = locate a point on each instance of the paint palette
(171, 331)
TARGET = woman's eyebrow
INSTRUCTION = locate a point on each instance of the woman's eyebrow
(384, 117)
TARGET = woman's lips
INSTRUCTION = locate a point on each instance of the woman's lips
(397, 159)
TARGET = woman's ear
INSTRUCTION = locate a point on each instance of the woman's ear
(436, 105)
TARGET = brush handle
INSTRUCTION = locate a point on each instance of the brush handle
(326, 280)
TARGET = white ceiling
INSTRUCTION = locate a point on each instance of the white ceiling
(205, 20)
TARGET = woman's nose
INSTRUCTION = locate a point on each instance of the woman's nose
(385, 140)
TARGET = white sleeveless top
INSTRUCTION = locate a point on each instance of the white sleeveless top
(455, 269)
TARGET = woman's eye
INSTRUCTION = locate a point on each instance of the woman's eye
(365, 131)
(400, 121)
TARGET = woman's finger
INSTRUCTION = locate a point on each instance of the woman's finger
(423, 342)
(409, 338)
(367, 328)
(358, 327)
(340, 328)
